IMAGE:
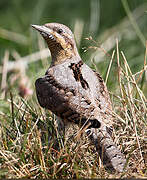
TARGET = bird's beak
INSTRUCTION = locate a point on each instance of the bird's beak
(42, 29)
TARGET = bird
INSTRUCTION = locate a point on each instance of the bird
(77, 94)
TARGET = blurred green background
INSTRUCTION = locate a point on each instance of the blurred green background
(103, 20)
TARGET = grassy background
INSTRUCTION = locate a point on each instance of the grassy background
(96, 25)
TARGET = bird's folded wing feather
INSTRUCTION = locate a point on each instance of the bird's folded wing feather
(72, 97)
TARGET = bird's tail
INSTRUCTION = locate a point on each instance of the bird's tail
(110, 155)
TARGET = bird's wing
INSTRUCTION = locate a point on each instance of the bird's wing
(74, 92)
(64, 96)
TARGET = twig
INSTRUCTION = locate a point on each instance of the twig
(119, 69)
(131, 104)
(24, 61)
(133, 22)
(142, 96)
(109, 67)
(4, 74)
(78, 31)
(13, 36)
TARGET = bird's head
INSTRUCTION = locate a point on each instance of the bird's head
(60, 41)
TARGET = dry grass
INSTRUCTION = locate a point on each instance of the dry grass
(28, 134)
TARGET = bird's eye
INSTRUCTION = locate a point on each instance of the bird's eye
(60, 31)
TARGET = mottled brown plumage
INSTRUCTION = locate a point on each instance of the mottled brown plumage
(76, 93)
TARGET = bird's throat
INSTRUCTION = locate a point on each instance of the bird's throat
(61, 52)
(59, 55)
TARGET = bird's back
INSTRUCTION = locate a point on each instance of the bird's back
(80, 93)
